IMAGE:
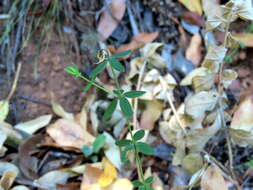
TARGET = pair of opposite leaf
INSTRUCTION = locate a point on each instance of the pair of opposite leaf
(134, 144)
(120, 95)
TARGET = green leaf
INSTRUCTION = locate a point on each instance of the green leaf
(126, 107)
(118, 92)
(228, 59)
(117, 65)
(149, 180)
(144, 148)
(124, 152)
(98, 143)
(87, 151)
(122, 143)
(122, 54)
(101, 66)
(149, 187)
(73, 71)
(111, 108)
(134, 94)
(141, 188)
(139, 135)
(137, 183)
(4, 110)
(249, 164)
(87, 87)
(94, 158)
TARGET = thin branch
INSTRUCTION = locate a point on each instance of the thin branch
(136, 99)
(14, 86)
(175, 113)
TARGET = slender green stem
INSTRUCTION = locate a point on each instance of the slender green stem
(136, 152)
(14, 86)
(139, 163)
(115, 77)
(97, 85)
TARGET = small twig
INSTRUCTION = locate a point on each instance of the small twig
(220, 89)
(132, 20)
(34, 100)
(175, 113)
(14, 86)
(225, 45)
(216, 162)
(136, 99)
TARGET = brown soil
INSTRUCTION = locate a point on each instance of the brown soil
(50, 78)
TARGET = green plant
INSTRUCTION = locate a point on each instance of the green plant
(94, 149)
(121, 98)
(249, 163)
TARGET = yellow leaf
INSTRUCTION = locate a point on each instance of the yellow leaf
(122, 184)
(109, 173)
(4, 110)
(193, 5)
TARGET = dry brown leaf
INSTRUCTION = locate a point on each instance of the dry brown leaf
(138, 41)
(90, 177)
(81, 118)
(246, 38)
(193, 52)
(14, 137)
(52, 178)
(110, 18)
(193, 5)
(151, 114)
(194, 19)
(213, 12)
(59, 110)
(27, 163)
(243, 119)
(32, 126)
(242, 123)
(192, 163)
(8, 179)
(69, 133)
(212, 179)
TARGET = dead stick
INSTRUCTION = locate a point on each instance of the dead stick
(14, 86)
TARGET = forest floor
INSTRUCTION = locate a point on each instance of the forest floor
(51, 117)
